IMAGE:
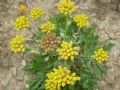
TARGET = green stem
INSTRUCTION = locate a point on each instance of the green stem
(77, 64)
(77, 36)
(33, 49)
(66, 26)
(65, 63)
(85, 57)
(29, 40)
(30, 29)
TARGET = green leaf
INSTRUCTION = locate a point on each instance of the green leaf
(39, 64)
(37, 82)
(33, 51)
(108, 46)
(46, 58)
(88, 41)
(102, 67)
(38, 36)
(98, 72)
(58, 20)
(85, 84)
(42, 87)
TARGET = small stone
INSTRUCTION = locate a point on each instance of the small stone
(23, 62)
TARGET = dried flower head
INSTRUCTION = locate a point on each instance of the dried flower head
(49, 42)
(22, 8)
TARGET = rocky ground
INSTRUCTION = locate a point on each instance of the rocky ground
(102, 12)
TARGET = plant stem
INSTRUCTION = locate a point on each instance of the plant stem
(29, 40)
(30, 29)
(85, 57)
(66, 27)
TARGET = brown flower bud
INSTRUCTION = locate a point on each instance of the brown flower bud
(49, 42)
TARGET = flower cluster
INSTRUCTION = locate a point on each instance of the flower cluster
(59, 78)
(100, 55)
(81, 20)
(47, 27)
(49, 42)
(22, 8)
(67, 51)
(36, 13)
(21, 22)
(17, 44)
(66, 7)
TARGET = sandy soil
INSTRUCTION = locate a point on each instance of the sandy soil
(12, 76)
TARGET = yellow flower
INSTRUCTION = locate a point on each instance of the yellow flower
(81, 20)
(60, 77)
(21, 22)
(47, 27)
(36, 13)
(22, 8)
(66, 7)
(100, 55)
(17, 44)
(67, 51)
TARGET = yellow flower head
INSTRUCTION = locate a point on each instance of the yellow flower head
(17, 44)
(66, 7)
(60, 77)
(47, 27)
(21, 22)
(81, 20)
(100, 55)
(67, 51)
(36, 13)
(22, 8)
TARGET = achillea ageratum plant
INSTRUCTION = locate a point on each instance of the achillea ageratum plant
(69, 54)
